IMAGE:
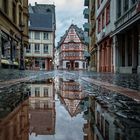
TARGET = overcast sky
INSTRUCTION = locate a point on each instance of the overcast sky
(67, 12)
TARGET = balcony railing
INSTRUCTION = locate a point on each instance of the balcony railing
(86, 13)
(86, 27)
(126, 16)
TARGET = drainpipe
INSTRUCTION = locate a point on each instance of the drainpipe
(0, 48)
(138, 49)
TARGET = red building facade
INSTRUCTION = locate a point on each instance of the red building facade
(105, 23)
(72, 49)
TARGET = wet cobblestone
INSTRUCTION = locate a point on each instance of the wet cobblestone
(131, 81)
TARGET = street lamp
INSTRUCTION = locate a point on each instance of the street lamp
(21, 64)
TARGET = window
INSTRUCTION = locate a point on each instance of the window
(108, 14)
(99, 25)
(103, 20)
(37, 92)
(37, 35)
(30, 35)
(67, 64)
(37, 47)
(14, 12)
(106, 130)
(28, 49)
(98, 119)
(20, 16)
(45, 36)
(45, 48)
(133, 1)
(102, 124)
(5, 6)
(126, 5)
(76, 65)
(45, 92)
(48, 10)
(72, 30)
(119, 7)
(98, 3)
(36, 63)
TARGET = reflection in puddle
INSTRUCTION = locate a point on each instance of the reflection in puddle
(42, 108)
(105, 124)
(14, 124)
(59, 109)
(71, 95)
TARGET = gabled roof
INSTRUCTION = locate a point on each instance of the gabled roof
(40, 22)
(78, 30)
(42, 17)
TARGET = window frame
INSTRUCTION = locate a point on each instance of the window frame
(37, 35)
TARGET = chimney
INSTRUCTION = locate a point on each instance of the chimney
(35, 3)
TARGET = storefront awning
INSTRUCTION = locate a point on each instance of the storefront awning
(4, 61)
(16, 63)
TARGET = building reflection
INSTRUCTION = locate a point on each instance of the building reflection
(71, 95)
(117, 121)
(15, 125)
(42, 108)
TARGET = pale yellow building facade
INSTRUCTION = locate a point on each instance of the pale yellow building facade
(13, 32)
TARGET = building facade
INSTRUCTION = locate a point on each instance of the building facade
(13, 32)
(40, 52)
(72, 54)
(105, 12)
(90, 29)
(126, 36)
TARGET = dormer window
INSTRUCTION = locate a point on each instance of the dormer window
(48, 10)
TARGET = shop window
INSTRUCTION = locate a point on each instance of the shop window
(108, 14)
(36, 63)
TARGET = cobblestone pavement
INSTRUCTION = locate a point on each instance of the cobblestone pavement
(101, 97)
(131, 81)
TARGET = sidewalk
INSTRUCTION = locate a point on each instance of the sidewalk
(10, 77)
(131, 93)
